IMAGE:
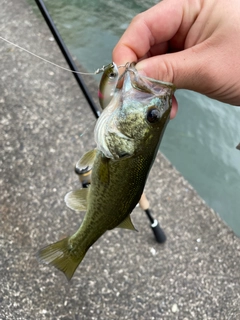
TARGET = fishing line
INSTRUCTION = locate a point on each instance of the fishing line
(99, 70)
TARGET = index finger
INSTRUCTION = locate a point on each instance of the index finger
(151, 28)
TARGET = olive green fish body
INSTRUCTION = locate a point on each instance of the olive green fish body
(123, 187)
(128, 134)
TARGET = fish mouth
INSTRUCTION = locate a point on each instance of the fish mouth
(115, 133)
(109, 139)
(102, 129)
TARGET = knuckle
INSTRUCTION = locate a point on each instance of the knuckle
(137, 19)
(165, 71)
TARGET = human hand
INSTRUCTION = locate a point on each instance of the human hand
(194, 44)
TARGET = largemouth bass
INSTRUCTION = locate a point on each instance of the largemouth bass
(128, 134)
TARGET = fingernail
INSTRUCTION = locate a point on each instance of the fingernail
(140, 68)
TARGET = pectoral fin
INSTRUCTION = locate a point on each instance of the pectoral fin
(77, 200)
(87, 160)
(127, 224)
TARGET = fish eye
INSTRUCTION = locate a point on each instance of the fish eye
(153, 115)
(112, 75)
(123, 155)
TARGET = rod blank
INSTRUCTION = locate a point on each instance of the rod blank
(67, 56)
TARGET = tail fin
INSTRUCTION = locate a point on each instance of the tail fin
(59, 255)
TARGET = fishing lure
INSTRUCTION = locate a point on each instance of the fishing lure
(108, 84)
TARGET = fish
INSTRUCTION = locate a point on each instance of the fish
(238, 146)
(108, 84)
(127, 135)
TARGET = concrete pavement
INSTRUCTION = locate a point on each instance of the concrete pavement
(45, 126)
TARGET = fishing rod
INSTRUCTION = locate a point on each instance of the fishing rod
(67, 56)
(144, 204)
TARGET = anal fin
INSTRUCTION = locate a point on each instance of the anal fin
(127, 224)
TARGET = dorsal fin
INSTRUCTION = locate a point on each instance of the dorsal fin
(77, 200)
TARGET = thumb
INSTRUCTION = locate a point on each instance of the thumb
(187, 69)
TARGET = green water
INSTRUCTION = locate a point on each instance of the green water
(201, 141)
